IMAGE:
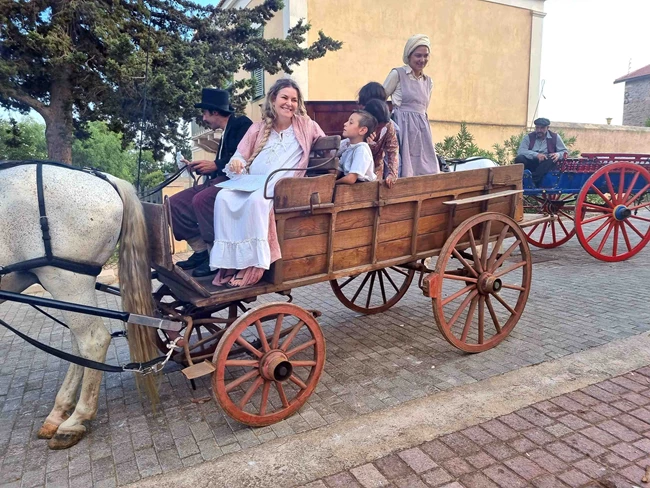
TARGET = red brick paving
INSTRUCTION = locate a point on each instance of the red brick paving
(597, 437)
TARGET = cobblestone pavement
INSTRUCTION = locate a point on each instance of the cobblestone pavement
(595, 437)
(373, 362)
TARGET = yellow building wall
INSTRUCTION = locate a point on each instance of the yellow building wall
(479, 55)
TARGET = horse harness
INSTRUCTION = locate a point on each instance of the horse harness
(49, 259)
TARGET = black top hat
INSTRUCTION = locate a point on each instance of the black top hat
(215, 99)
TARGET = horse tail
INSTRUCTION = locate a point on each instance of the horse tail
(134, 273)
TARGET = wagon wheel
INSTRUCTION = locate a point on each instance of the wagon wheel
(614, 219)
(373, 292)
(494, 282)
(549, 235)
(265, 384)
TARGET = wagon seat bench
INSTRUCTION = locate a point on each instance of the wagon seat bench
(368, 241)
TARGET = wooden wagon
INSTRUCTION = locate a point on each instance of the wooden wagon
(369, 242)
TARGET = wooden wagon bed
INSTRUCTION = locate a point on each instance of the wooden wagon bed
(327, 231)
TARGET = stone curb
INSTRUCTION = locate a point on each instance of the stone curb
(305, 457)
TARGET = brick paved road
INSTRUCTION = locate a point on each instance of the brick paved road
(372, 363)
(595, 437)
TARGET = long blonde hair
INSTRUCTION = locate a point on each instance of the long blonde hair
(268, 111)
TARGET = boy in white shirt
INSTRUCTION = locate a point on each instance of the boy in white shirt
(356, 162)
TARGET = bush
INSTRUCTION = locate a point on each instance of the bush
(461, 146)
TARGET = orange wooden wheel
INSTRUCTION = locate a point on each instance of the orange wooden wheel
(478, 304)
(268, 363)
(373, 292)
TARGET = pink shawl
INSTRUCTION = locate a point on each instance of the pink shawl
(306, 131)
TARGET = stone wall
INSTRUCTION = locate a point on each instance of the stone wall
(636, 108)
(607, 138)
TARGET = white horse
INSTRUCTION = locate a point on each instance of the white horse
(86, 218)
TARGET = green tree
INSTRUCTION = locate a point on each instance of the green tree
(647, 122)
(75, 62)
(461, 146)
(24, 139)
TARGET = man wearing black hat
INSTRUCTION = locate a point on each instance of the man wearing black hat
(540, 150)
(192, 209)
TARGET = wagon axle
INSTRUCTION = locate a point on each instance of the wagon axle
(275, 366)
(621, 212)
(488, 283)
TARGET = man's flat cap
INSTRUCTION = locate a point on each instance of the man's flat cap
(542, 122)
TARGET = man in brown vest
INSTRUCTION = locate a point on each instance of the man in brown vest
(540, 150)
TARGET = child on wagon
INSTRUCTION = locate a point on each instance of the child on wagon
(356, 162)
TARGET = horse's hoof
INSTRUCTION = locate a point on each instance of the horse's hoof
(64, 441)
(47, 430)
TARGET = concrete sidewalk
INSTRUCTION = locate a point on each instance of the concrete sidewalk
(562, 423)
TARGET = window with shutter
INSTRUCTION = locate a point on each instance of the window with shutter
(258, 81)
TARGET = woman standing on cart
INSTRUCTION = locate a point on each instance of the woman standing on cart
(410, 91)
(246, 242)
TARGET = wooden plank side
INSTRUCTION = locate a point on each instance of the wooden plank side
(351, 219)
(394, 249)
(306, 226)
(357, 193)
(296, 192)
(395, 230)
(398, 211)
(432, 242)
(349, 239)
(351, 258)
(305, 267)
(301, 247)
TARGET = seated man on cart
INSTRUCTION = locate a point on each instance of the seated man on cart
(540, 150)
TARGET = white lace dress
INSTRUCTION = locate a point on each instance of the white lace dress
(241, 219)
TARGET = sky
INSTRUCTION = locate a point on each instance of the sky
(587, 44)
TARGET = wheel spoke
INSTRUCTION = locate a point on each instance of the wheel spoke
(248, 346)
(621, 185)
(532, 230)
(597, 231)
(301, 347)
(298, 382)
(634, 229)
(460, 278)
(303, 364)
(390, 280)
(400, 271)
(640, 205)
(497, 246)
(468, 319)
(630, 188)
(505, 305)
(481, 319)
(487, 227)
(458, 294)
(243, 363)
(363, 283)
(495, 319)
(265, 397)
(566, 232)
(472, 244)
(382, 288)
(282, 394)
(626, 237)
(276, 332)
(506, 254)
(291, 336)
(462, 307)
(635, 196)
(615, 246)
(464, 262)
(513, 287)
(242, 379)
(553, 232)
(602, 195)
(251, 391)
(645, 219)
(348, 281)
(610, 188)
(260, 332)
(511, 268)
(596, 208)
(594, 219)
(372, 284)
(541, 237)
(607, 233)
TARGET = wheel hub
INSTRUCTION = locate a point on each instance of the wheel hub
(275, 366)
(621, 212)
(488, 283)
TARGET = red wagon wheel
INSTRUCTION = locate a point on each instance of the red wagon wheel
(549, 235)
(477, 305)
(265, 384)
(373, 292)
(613, 221)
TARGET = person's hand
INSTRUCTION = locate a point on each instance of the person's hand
(203, 166)
(555, 157)
(236, 166)
(390, 181)
(371, 138)
(541, 156)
